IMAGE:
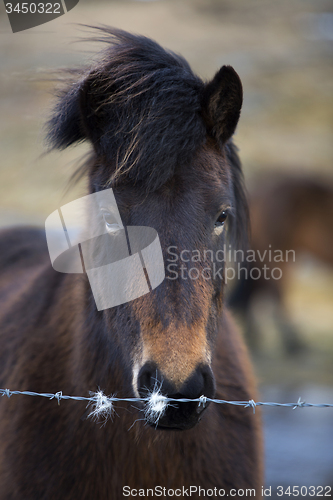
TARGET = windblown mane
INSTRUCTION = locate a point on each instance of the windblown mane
(144, 106)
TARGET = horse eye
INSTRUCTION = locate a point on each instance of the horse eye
(110, 222)
(221, 219)
(108, 219)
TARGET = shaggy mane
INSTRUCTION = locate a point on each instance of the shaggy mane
(138, 104)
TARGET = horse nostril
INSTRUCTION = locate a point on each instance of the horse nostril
(149, 378)
(144, 380)
(201, 383)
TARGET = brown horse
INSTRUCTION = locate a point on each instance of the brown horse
(161, 138)
(290, 215)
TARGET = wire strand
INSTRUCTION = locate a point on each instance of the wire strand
(202, 400)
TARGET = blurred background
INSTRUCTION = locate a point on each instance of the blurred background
(283, 54)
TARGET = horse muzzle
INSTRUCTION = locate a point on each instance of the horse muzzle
(175, 415)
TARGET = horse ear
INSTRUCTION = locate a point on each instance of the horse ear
(221, 103)
(74, 117)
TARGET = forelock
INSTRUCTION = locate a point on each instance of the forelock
(150, 108)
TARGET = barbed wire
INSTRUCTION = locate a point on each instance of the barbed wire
(156, 403)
